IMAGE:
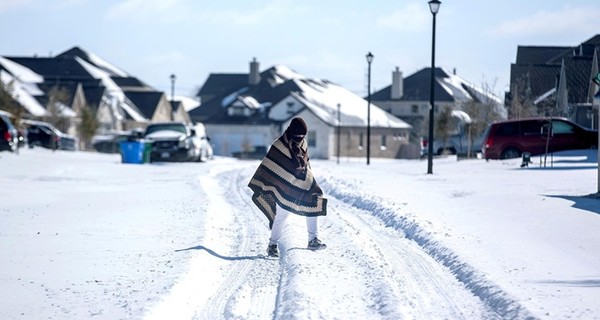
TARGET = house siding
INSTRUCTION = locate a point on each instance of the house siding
(227, 139)
(163, 111)
(326, 141)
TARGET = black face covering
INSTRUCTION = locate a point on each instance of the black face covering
(297, 138)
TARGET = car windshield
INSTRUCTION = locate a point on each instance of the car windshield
(165, 127)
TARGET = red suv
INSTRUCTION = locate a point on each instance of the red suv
(509, 139)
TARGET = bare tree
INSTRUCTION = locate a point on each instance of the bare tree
(444, 124)
(521, 103)
(57, 100)
(9, 104)
(482, 111)
(88, 125)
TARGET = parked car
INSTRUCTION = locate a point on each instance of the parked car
(177, 141)
(457, 142)
(8, 133)
(110, 143)
(509, 139)
(45, 135)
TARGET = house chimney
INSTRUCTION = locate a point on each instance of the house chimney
(254, 76)
(397, 84)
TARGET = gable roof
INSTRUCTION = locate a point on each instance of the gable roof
(23, 92)
(540, 78)
(94, 60)
(541, 54)
(146, 102)
(578, 71)
(322, 98)
(219, 83)
(98, 78)
(448, 87)
(268, 91)
(540, 67)
(278, 83)
(54, 68)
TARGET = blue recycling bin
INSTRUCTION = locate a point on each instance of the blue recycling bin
(132, 151)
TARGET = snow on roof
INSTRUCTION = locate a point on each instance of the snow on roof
(230, 98)
(248, 101)
(64, 110)
(117, 95)
(97, 73)
(99, 62)
(24, 94)
(544, 96)
(323, 97)
(20, 72)
(132, 111)
(454, 87)
(283, 73)
(189, 103)
(457, 90)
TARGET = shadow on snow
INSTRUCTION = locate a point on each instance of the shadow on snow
(589, 203)
(213, 253)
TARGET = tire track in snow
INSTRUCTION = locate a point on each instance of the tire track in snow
(249, 287)
(422, 288)
(221, 268)
(490, 294)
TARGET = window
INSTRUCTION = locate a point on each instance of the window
(531, 128)
(508, 129)
(290, 108)
(236, 111)
(560, 127)
(311, 138)
(415, 108)
(383, 142)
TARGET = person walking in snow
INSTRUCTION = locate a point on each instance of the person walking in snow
(284, 179)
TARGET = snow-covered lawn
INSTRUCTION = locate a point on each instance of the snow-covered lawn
(84, 236)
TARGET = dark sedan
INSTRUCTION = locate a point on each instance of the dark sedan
(45, 135)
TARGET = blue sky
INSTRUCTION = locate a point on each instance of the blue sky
(152, 39)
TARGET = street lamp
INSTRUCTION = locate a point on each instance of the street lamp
(369, 60)
(172, 87)
(434, 6)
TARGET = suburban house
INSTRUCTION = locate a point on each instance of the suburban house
(250, 110)
(409, 98)
(75, 79)
(557, 80)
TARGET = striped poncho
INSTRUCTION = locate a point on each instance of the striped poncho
(277, 181)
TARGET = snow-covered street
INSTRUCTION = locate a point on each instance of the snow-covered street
(84, 236)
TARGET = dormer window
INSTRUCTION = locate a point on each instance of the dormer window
(238, 111)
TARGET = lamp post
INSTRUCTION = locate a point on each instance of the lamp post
(172, 87)
(434, 6)
(369, 60)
